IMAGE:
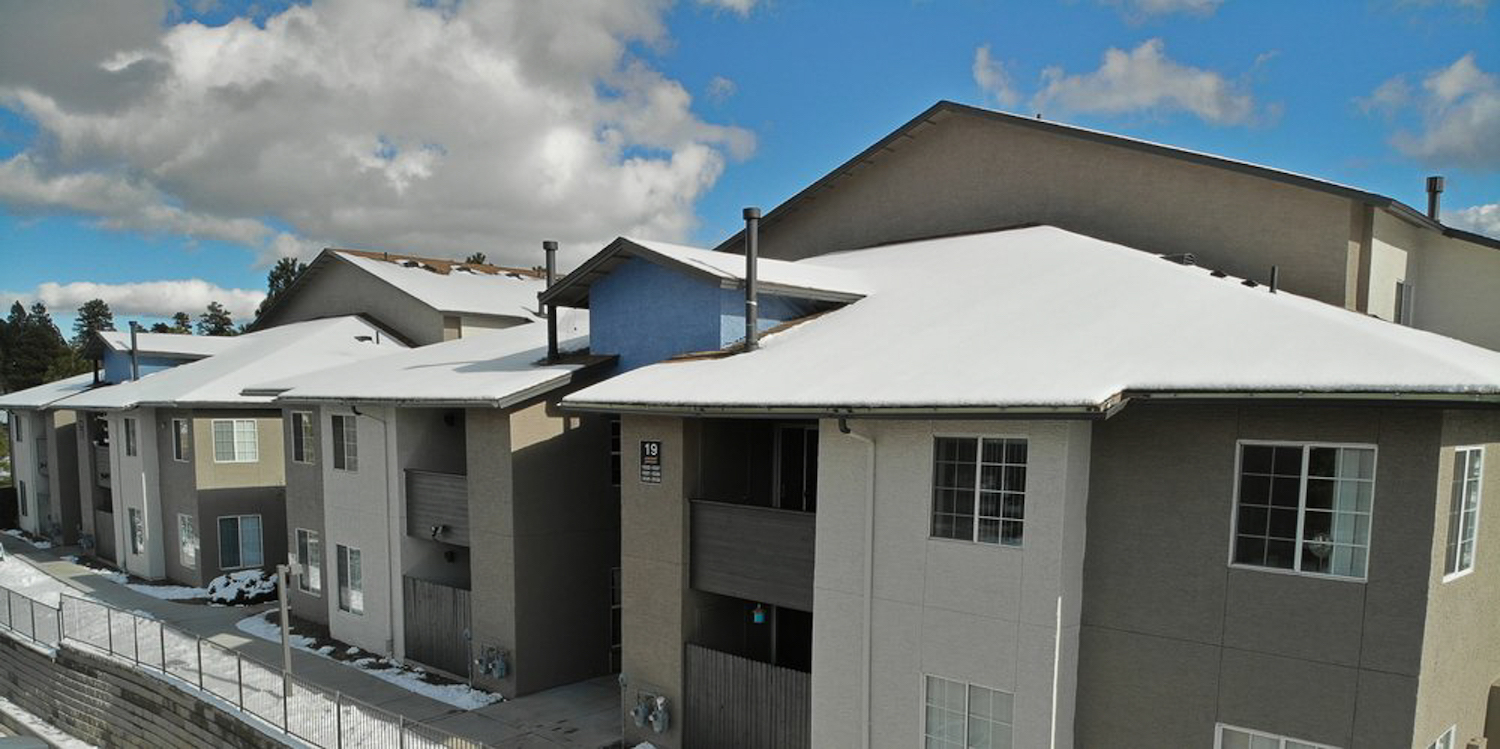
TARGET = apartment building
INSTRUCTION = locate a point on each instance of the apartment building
(957, 168)
(421, 300)
(195, 478)
(1032, 488)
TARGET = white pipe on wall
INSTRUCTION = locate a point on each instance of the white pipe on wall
(867, 665)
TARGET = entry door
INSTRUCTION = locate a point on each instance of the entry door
(797, 468)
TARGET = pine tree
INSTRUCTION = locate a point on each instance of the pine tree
(215, 321)
(35, 349)
(182, 323)
(475, 259)
(283, 274)
(93, 315)
(161, 327)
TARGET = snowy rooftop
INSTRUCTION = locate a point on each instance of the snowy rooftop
(168, 344)
(269, 354)
(499, 368)
(1044, 318)
(728, 269)
(455, 287)
(44, 395)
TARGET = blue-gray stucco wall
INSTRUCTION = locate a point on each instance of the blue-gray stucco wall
(117, 365)
(645, 313)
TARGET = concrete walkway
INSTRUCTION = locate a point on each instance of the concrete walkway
(580, 716)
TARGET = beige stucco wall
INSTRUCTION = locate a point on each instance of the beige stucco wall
(1394, 246)
(1175, 640)
(1461, 649)
(968, 173)
(1457, 292)
(268, 470)
(491, 536)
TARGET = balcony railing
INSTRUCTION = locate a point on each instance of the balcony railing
(437, 506)
(756, 553)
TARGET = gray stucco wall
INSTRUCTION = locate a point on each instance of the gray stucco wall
(492, 536)
(341, 289)
(269, 502)
(179, 495)
(62, 456)
(1174, 639)
(304, 509)
(968, 173)
(1460, 656)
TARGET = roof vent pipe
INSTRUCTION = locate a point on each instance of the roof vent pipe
(1434, 196)
(1275, 278)
(752, 306)
(550, 248)
(135, 361)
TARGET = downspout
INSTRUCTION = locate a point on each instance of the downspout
(866, 666)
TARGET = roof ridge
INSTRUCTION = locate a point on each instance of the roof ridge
(443, 266)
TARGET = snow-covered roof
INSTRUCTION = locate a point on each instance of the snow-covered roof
(728, 269)
(168, 344)
(46, 394)
(454, 287)
(1044, 318)
(499, 368)
(269, 354)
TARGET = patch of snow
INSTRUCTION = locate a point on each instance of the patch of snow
(45, 731)
(461, 696)
(238, 587)
(18, 534)
(20, 576)
(645, 745)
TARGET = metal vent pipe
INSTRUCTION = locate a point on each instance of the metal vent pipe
(1434, 196)
(550, 248)
(1275, 278)
(135, 360)
(752, 305)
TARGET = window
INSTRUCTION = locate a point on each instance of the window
(130, 446)
(1230, 737)
(1304, 508)
(137, 532)
(310, 555)
(239, 542)
(187, 541)
(1405, 294)
(16, 418)
(345, 443)
(616, 631)
(235, 441)
(1463, 510)
(351, 581)
(797, 468)
(1446, 740)
(979, 489)
(614, 451)
(966, 716)
(180, 438)
(21, 493)
(304, 447)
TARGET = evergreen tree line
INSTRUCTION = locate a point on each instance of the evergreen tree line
(33, 350)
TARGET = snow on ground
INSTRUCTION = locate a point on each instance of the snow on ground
(45, 731)
(238, 587)
(458, 695)
(18, 575)
(163, 592)
(18, 534)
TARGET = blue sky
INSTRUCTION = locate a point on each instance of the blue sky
(657, 119)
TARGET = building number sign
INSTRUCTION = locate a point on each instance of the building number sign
(650, 461)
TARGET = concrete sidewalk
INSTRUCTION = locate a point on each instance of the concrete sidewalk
(581, 716)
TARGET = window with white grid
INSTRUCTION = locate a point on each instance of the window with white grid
(959, 715)
(1230, 737)
(1463, 510)
(235, 441)
(979, 489)
(1305, 507)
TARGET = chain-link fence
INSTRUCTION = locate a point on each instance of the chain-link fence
(308, 712)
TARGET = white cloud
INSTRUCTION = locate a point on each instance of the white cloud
(742, 7)
(720, 89)
(1481, 219)
(992, 78)
(1459, 111)
(1146, 80)
(144, 299)
(374, 123)
(1140, 9)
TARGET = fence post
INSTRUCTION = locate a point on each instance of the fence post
(109, 627)
(239, 677)
(62, 629)
(400, 731)
(338, 720)
(200, 663)
(135, 639)
(33, 620)
(286, 696)
(161, 636)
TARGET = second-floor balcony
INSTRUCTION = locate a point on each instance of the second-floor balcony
(101, 465)
(437, 506)
(755, 553)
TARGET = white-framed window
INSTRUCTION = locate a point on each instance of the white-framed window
(1446, 740)
(1233, 737)
(187, 540)
(304, 443)
(614, 451)
(959, 715)
(351, 580)
(236, 441)
(181, 439)
(1304, 507)
(1405, 298)
(240, 542)
(979, 489)
(310, 555)
(130, 437)
(1463, 511)
(137, 532)
(345, 442)
(21, 494)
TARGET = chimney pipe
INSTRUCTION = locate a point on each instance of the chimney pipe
(1275, 277)
(550, 247)
(1434, 196)
(752, 304)
(135, 362)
